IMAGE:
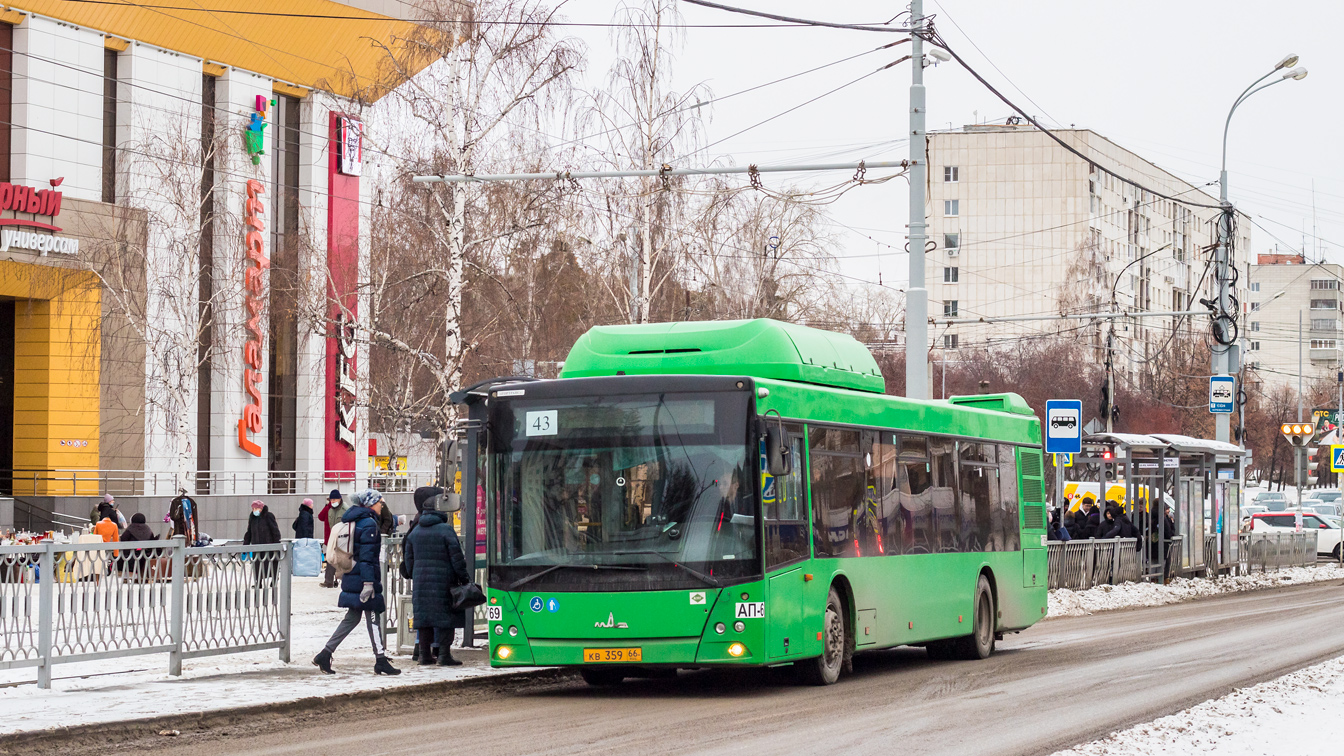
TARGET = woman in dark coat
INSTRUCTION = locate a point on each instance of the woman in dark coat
(303, 524)
(262, 529)
(435, 561)
(362, 587)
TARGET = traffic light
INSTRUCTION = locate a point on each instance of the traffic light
(1298, 434)
(1312, 456)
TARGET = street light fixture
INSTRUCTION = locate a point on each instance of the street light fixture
(1222, 422)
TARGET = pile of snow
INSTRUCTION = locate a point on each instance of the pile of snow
(1295, 714)
(137, 687)
(1067, 603)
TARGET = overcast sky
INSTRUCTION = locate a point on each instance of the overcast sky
(1155, 77)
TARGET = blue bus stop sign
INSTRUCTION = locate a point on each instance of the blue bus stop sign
(1222, 393)
(1063, 426)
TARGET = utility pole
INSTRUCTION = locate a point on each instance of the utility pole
(917, 296)
(1222, 423)
(1299, 450)
(1110, 377)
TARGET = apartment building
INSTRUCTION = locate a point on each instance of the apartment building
(175, 189)
(1024, 228)
(1293, 317)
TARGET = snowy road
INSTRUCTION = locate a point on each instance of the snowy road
(1062, 683)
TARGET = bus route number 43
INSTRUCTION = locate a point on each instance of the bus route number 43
(541, 423)
(750, 610)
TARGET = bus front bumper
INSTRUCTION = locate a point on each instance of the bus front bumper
(656, 652)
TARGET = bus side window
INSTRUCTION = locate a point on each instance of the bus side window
(978, 495)
(1012, 533)
(884, 472)
(914, 483)
(942, 454)
(837, 477)
(785, 510)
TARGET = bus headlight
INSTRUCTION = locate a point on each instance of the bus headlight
(503, 652)
(719, 628)
(513, 631)
(499, 629)
(737, 649)
(739, 626)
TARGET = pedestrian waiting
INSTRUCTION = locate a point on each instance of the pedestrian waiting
(331, 516)
(433, 560)
(357, 539)
(303, 523)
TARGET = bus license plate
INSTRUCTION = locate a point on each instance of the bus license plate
(608, 655)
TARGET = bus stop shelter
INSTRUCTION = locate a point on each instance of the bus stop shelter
(1196, 482)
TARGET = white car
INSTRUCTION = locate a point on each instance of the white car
(1327, 532)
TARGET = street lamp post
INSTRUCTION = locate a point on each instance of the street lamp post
(1220, 366)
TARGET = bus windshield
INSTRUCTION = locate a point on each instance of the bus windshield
(630, 492)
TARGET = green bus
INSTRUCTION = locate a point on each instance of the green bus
(742, 493)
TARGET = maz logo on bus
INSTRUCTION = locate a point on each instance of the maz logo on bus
(750, 610)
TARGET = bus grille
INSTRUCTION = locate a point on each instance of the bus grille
(1031, 489)
(1033, 517)
(1031, 464)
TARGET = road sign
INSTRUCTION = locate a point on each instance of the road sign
(1063, 426)
(1064, 460)
(1337, 458)
(1298, 434)
(1222, 394)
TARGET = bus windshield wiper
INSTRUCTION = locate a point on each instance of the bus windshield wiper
(520, 582)
(693, 573)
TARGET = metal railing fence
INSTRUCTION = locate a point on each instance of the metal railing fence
(92, 482)
(1081, 564)
(64, 603)
(1266, 551)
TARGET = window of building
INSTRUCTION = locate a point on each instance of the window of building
(951, 207)
(109, 126)
(1324, 304)
(1324, 284)
(1255, 346)
(1255, 325)
(949, 341)
(951, 241)
(1324, 324)
(1255, 306)
(950, 308)
(1322, 343)
(950, 274)
(6, 95)
(951, 174)
(285, 287)
(1255, 286)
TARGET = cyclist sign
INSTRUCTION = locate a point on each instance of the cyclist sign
(1063, 426)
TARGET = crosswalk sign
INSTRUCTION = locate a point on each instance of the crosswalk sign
(1337, 458)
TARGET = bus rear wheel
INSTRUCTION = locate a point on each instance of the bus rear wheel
(980, 643)
(601, 677)
(825, 669)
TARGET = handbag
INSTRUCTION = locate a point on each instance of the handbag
(466, 596)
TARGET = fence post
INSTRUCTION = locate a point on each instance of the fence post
(177, 614)
(46, 590)
(287, 570)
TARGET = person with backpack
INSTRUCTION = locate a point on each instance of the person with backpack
(435, 562)
(353, 552)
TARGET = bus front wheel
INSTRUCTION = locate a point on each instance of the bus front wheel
(980, 643)
(825, 669)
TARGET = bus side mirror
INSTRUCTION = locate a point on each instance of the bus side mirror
(778, 450)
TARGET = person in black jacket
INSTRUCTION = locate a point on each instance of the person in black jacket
(303, 524)
(262, 529)
(135, 561)
(434, 558)
(362, 587)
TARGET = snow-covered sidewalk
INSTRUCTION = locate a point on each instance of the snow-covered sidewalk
(138, 687)
(1296, 714)
(1067, 603)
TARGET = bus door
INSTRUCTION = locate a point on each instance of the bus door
(784, 506)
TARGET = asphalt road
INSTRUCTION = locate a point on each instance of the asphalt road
(1062, 682)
